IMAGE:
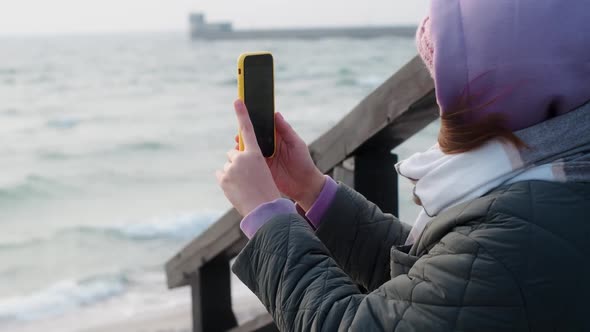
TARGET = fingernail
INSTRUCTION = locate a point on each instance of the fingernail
(239, 104)
(280, 116)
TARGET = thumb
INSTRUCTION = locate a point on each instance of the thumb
(245, 125)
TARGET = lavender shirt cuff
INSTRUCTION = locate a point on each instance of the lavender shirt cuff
(321, 204)
(263, 213)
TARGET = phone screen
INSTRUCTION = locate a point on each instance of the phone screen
(259, 99)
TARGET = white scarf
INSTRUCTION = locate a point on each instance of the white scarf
(559, 151)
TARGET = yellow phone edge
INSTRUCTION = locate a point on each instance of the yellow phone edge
(241, 94)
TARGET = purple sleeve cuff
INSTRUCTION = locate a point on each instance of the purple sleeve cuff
(263, 213)
(321, 204)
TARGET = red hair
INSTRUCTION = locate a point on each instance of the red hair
(463, 130)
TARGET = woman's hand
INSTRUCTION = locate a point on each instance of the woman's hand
(292, 168)
(246, 179)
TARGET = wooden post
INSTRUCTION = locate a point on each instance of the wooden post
(195, 282)
(375, 176)
(211, 297)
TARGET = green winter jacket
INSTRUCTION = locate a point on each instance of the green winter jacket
(517, 259)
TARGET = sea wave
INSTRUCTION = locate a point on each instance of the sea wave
(54, 155)
(23, 243)
(125, 148)
(365, 82)
(143, 146)
(32, 186)
(179, 227)
(10, 111)
(71, 295)
(227, 81)
(63, 296)
(370, 81)
(63, 122)
(8, 71)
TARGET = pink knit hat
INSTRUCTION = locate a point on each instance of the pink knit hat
(530, 57)
(425, 45)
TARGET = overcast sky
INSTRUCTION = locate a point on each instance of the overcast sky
(90, 16)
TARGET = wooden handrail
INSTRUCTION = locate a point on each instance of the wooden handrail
(396, 110)
(384, 106)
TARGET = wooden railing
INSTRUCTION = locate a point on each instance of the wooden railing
(356, 151)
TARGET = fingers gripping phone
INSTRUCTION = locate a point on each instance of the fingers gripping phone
(256, 89)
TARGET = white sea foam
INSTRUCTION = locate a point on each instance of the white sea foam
(61, 297)
(180, 226)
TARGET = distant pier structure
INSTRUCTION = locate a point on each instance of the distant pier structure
(201, 29)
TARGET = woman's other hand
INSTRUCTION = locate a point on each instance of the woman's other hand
(292, 168)
(246, 179)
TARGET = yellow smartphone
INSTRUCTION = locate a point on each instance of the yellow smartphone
(256, 89)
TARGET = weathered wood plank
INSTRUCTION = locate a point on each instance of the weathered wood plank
(420, 115)
(196, 306)
(378, 110)
(214, 296)
(211, 297)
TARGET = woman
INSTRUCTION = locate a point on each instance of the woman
(502, 240)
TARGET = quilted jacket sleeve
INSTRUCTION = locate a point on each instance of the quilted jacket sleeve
(359, 236)
(458, 286)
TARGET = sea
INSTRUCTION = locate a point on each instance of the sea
(108, 149)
